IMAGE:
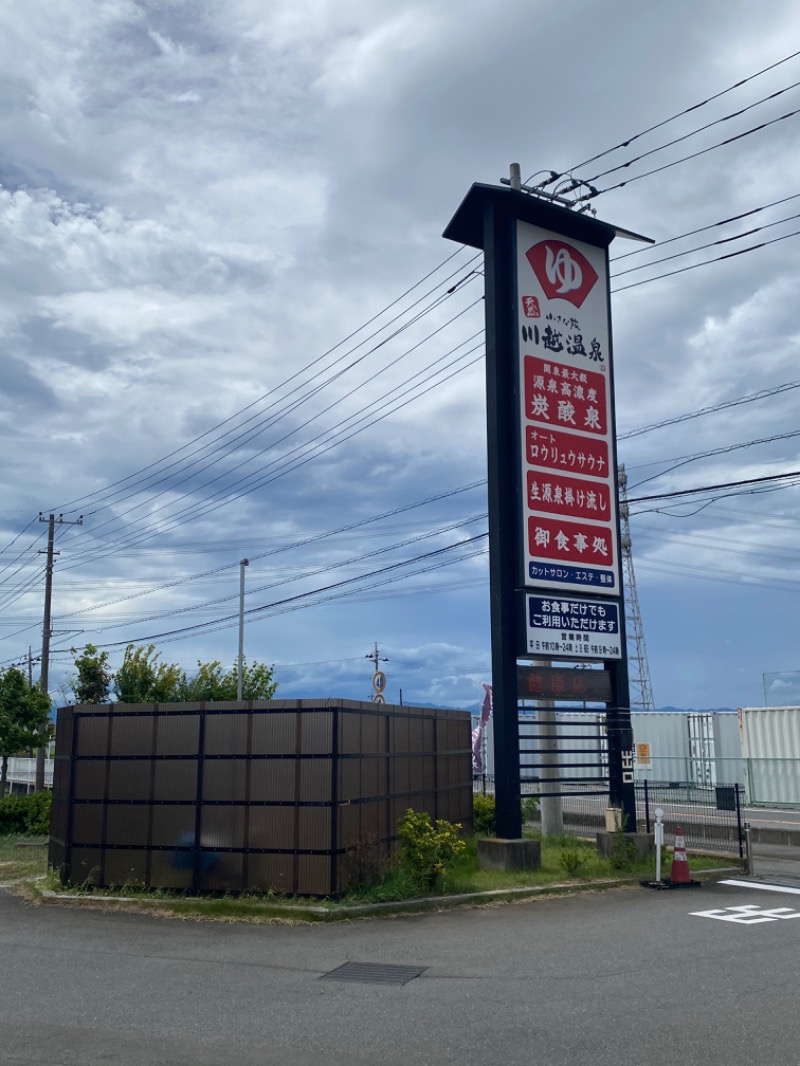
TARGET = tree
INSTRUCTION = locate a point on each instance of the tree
(93, 683)
(143, 679)
(24, 712)
(211, 682)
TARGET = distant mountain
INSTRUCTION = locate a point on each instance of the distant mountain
(698, 710)
(475, 707)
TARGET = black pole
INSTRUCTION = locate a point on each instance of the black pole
(502, 405)
(739, 819)
(646, 806)
(44, 675)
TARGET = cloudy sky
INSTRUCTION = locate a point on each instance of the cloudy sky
(231, 327)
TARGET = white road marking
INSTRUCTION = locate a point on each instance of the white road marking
(764, 888)
(748, 914)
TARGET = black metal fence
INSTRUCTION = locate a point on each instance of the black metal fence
(711, 817)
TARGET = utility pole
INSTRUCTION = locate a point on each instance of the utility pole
(240, 661)
(376, 657)
(378, 678)
(44, 674)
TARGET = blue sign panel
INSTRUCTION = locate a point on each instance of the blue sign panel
(569, 576)
(573, 628)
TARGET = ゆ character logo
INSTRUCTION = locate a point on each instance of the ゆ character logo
(562, 271)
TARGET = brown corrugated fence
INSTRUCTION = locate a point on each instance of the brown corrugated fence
(292, 796)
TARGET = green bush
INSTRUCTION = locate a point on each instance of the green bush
(425, 849)
(27, 814)
(483, 815)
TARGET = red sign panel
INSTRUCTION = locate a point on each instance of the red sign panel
(568, 481)
(560, 395)
(554, 450)
(568, 496)
(562, 271)
(570, 541)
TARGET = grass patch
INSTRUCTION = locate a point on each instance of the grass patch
(566, 860)
(22, 857)
(463, 876)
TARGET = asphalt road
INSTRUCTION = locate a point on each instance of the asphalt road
(773, 818)
(621, 978)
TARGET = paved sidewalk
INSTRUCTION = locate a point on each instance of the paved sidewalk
(772, 861)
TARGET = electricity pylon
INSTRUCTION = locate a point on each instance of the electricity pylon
(638, 669)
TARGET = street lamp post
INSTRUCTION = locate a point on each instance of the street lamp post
(240, 662)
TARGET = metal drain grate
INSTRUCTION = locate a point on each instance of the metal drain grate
(374, 973)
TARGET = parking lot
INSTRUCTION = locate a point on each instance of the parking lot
(618, 978)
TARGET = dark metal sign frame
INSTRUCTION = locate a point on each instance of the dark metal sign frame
(487, 219)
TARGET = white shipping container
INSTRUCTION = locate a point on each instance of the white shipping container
(700, 747)
(770, 738)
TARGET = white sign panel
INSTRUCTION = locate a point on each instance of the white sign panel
(644, 756)
(571, 628)
(569, 515)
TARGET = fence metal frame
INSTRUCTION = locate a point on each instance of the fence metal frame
(711, 818)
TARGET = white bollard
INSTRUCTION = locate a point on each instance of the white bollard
(659, 840)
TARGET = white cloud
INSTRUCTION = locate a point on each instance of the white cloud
(194, 209)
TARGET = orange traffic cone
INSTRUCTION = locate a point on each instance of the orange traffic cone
(680, 874)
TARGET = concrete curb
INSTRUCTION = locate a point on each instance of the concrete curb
(782, 837)
(345, 912)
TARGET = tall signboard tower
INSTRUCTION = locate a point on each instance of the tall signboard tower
(554, 539)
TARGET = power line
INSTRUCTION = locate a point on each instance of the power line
(252, 611)
(137, 536)
(285, 464)
(703, 229)
(684, 460)
(684, 137)
(713, 488)
(725, 405)
(672, 118)
(710, 573)
(717, 259)
(702, 247)
(306, 573)
(762, 551)
(309, 366)
(303, 542)
(685, 159)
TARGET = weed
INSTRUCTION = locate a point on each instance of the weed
(572, 861)
(365, 861)
(623, 850)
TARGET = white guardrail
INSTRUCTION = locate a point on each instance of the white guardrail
(22, 774)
